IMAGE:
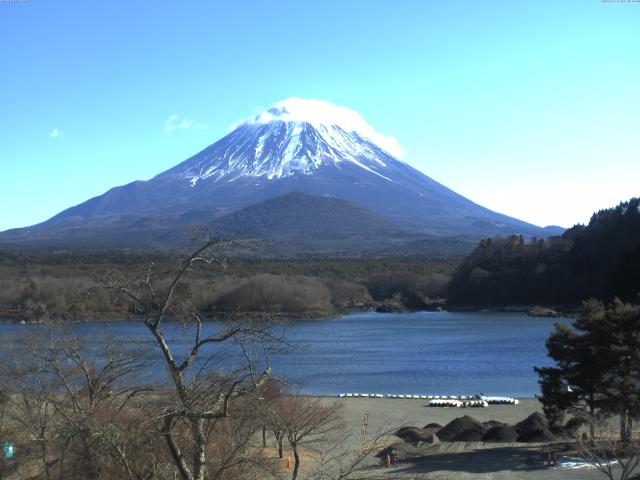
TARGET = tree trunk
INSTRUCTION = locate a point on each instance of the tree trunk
(623, 427)
(176, 454)
(62, 464)
(296, 461)
(43, 453)
(592, 412)
(200, 455)
(626, 424)
(264, 436)
(279, 439)
(89, 465)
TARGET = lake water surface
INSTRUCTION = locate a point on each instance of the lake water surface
(417, 353)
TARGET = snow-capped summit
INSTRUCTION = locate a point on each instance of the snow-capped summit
(323, 115)
(307, 146)
(294, 137)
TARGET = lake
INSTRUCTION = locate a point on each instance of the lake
(444, 353)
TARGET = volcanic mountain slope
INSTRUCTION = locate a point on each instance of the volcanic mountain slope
(296, 215)
(306, 146)
(299, 224)
(296, 224)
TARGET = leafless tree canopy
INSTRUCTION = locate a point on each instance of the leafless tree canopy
(77, 410)
(615, 458)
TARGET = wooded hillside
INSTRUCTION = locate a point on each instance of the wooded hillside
(599, 260)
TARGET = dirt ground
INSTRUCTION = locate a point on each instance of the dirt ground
(461, 461)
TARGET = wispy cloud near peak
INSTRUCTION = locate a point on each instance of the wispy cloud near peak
(176, 122)
(55, 133)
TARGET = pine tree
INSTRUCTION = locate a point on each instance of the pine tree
(597, 365)
(622, 387)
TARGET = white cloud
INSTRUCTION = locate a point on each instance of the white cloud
(321, 112)
(175, 122)
(55, 133)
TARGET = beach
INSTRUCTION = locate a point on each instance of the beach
(384, 411)
(459, 460)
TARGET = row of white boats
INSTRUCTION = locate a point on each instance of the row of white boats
(456, 401)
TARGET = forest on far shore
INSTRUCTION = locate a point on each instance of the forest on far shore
(599, 260)
(70, 287)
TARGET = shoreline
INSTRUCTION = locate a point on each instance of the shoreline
(458, 460)
(557, 312)
(536, 311)
(210, 316)
(354, 399)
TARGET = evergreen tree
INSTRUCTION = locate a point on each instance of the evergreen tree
(600, 260)
(622, 382)
(597, 365)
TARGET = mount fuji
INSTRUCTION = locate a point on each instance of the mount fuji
(301, 146)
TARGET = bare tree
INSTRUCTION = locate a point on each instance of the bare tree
(339, 457)
(4, 400)
(605, 451)
(270, 393)
(276, 421)
(83, 411)
(203, 392)
(306, 422)
(28, 411)
(69, 404)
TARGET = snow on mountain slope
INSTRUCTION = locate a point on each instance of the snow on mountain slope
(307, 146)
(295, 136)
(320, 113)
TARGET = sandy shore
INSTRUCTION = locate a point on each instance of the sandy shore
(456, 461)
(383, 411)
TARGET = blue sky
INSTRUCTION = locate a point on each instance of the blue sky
(527, 107)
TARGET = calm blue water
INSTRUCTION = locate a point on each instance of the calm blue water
(421, 353)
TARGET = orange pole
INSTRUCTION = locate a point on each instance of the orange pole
(289, 462)
(388, 462)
